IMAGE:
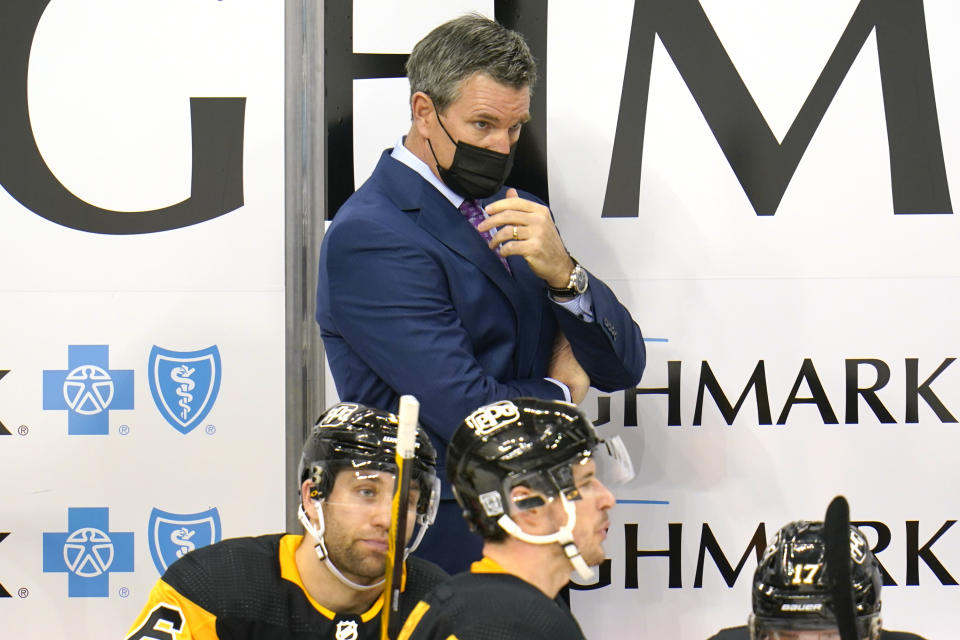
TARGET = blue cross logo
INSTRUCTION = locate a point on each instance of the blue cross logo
(88, 390)
(88, 551)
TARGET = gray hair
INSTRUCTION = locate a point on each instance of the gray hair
(458, 49)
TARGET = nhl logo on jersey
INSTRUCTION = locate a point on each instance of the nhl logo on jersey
(172, 535)
(347, 630)
(184, 384)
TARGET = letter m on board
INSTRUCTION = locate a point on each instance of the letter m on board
(3, 592)
(763, 165)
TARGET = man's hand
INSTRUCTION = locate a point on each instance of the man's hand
(565, 368)
(526, 229)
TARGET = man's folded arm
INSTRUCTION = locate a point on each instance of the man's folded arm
(610, 349)
(389, 302)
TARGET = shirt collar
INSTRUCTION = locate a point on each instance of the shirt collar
(486, 565)
(401, 154)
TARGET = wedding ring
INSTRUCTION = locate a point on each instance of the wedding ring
(515, 235)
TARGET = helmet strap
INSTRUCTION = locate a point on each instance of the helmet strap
(424, 520)
(562, 536)
(321, 548)
(421, 531)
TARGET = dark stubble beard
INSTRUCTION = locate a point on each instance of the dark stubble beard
(348, 556)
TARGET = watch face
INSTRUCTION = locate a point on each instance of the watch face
(579, 279)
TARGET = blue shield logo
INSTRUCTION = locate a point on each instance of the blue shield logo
(171, 535)
(184, 384)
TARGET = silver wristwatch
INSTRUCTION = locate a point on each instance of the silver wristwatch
(577, 284)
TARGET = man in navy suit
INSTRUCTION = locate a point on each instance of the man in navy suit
(436, 281)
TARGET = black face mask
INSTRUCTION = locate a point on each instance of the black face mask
(475, 172)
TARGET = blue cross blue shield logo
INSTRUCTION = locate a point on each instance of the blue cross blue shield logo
(171, 535)
(88, 551)
(184, 384)
(88, 389)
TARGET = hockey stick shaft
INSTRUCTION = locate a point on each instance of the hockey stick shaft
(397, 537)
(836, 527)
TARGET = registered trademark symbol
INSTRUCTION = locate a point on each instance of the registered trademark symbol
(124, 429)
(124, 592)
(23, 429)
(210, 429)
(23, 592)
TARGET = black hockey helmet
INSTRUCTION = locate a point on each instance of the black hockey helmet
(524, 441)
(792, 588)
(353, 436)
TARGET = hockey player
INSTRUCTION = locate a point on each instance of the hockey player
(527, 474)
(327, 583)
(793, 593)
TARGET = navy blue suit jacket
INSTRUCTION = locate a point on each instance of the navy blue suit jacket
(410, 300)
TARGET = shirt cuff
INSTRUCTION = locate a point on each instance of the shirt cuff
(563, 387)
(581, 306)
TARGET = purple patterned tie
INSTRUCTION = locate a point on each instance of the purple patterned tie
(473, 212)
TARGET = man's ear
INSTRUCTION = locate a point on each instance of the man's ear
(306, 499)
(423, 112)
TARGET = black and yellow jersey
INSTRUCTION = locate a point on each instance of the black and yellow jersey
(743, 633)
(246, 588)
(489, 604)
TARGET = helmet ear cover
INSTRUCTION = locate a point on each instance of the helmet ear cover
(321, 482)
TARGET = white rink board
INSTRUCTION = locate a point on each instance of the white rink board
(834, 276)
(109, 88)
(732, 477)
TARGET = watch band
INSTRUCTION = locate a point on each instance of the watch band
(575, 286)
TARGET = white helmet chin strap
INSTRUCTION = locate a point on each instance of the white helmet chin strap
(421, 530)
(563, 536)
(321, 548)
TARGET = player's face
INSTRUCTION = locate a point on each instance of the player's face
(593, 521)
(357, 517)
(487, 114)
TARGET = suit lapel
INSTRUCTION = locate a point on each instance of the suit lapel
(444, 222)
(438, 217)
